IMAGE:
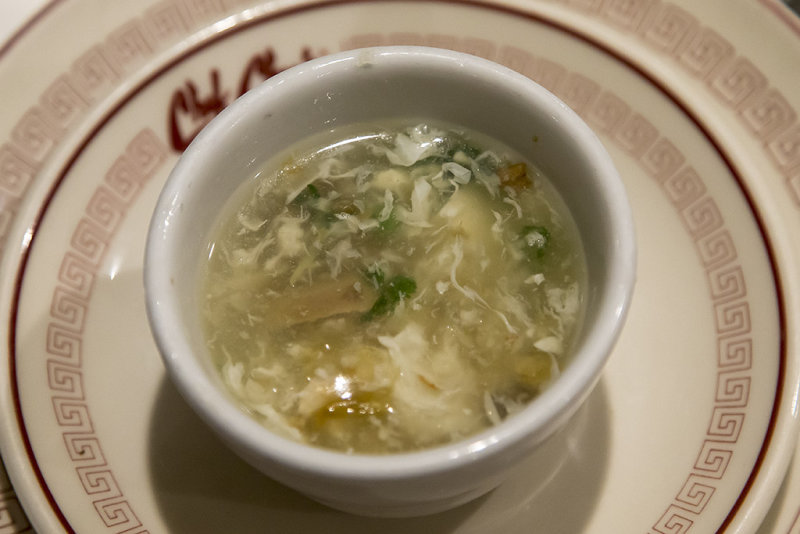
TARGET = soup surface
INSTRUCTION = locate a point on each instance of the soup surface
(397, 288)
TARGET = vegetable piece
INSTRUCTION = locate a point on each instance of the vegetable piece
(310, 199)
(436, 160)
(536, 240)
(362, 403)
(515, 176)
(375, 275)
(468, 150)
(534, 370)
(387, 216)
(459, 173)
(389, 225)
(322, 300)
(306, 195)
(389, 296)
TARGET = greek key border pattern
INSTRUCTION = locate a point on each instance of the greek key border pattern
(12, 517)
(91, 77)
(702, 220)
(730, 78)
(62, 105)
(704, 54)
(101, 219)
(697, 49)
(769, 118)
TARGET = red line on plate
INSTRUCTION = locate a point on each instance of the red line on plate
(17, 35)
(618, 55)
(12, 363)
(697, 120)
(784, 14)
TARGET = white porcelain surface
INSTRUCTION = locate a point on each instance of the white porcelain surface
(691, 428)
(370, 85)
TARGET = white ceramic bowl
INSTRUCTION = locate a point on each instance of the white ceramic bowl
(361, 86)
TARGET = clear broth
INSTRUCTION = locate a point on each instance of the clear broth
(393, 289)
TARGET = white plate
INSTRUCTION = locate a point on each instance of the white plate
(694, 423)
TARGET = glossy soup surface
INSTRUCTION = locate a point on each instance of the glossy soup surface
(393, 289)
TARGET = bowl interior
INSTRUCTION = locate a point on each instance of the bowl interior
(370, 86)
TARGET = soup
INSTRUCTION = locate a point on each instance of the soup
(392, 288)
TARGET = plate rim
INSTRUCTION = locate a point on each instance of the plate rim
(788, 363)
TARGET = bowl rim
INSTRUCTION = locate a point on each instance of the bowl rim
(537, 419)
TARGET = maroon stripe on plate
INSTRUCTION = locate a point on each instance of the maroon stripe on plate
(784, 14)
(30, 23)
(618, 55)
